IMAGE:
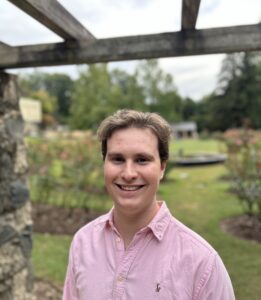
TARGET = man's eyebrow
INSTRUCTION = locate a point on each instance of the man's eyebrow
(139, 154)
(111, 154)
(144, 154)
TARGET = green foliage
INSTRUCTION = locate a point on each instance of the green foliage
(99, 92)
(58, 87)
(161, 95)
(64, 171)
(48, 102)
(189, 109)
(93, 97)
(130, 93)
(244, 165)
(238, 93)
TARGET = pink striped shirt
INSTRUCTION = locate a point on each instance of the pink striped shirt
(165, 260)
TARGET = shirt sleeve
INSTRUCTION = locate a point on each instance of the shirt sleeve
(69, 289)
(218, 284)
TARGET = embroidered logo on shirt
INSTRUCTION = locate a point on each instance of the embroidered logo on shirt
(158, 288)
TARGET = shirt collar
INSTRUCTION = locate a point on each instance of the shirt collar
(158, 225)
(160, 222)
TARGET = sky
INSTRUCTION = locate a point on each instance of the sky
(194, 76)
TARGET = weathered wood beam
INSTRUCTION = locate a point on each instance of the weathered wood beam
(190, 10)
(182, 43)
(55, 17)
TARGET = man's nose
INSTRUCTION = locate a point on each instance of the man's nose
(129, 171)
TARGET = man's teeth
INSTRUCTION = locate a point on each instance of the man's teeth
(129, 187)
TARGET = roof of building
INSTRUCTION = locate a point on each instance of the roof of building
(184, 126)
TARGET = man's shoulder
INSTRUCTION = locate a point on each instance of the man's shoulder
(185, 236)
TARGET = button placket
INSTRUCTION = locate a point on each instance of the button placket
(122, 273)
(127, 260)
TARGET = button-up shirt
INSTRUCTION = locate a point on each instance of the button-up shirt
(165, 260)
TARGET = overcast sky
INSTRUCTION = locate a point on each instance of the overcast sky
(194, 76)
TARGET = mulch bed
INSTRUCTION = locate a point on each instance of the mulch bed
(244, 227)
(60, 220)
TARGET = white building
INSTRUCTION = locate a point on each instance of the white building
(31, 111)
(184, 130)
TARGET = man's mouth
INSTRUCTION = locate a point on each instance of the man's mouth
(129, 188)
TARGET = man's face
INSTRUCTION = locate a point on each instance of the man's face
(132, 169)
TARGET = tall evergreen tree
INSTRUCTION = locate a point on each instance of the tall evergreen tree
(238, 94)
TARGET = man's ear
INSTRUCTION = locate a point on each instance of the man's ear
(163, 168)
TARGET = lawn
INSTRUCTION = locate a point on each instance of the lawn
(199, 198)
(189, 146)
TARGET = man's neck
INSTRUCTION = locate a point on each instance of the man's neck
(129, 224)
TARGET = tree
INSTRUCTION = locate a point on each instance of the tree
(49, 104)
(92, 98)
(189, 109)
(238, 94)
(99, 92)
(56, 85)
(60, 86)
(160, 92)
(130, 93)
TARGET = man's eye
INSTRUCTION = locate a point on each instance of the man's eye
(142, 160)
(117, 159)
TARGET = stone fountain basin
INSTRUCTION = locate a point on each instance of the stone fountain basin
(199, 159)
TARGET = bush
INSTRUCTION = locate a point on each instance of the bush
(244, 165)
(65, 171)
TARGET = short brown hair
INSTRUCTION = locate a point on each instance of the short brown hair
(126, 118)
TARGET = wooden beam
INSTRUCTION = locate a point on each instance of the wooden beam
(190, 10)
(55, 17)
(182, 43)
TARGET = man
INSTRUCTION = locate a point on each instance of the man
(139, 250)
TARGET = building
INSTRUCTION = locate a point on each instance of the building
(184, 130)
(31, 111)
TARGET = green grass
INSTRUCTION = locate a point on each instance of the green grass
(197, 197)
(50, 256)
(189, 146)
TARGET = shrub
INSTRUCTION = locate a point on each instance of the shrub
(65, 171)
(244, 165)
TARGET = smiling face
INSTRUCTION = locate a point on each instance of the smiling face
(132, 170)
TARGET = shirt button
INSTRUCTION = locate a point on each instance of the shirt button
(120, 278)
(118, 240)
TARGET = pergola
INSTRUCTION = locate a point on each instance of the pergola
(80, 46)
